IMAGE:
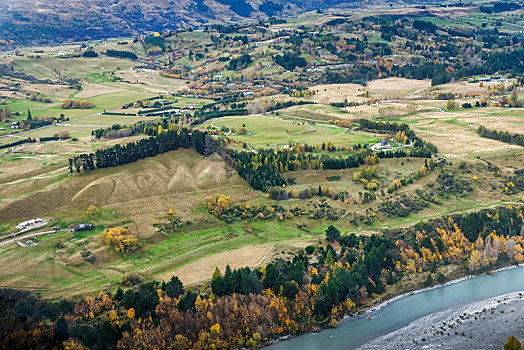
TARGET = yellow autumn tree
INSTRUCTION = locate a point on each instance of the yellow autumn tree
(92, 210)
(131, 313)
(215, 329)
(217, 204)
(120, 239)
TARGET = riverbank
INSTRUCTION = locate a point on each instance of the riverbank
(480, 325)
(387, 316)
(377, 306)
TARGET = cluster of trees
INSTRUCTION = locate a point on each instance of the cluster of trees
(487, 252)
(368, 177)
(77, 104)
(39, 98)
(385, 127)
(131, 152)
(120, 239)
(121, 54)
(240, 7)
(481, 240)
(5, 113)
(270, 8)
(115, 131)
(243, 281)
(290, 61)
(424, 26)
(240, 62)
(90, 53)
(281, 193)
(34, 123)
(153, 42)
(445, 96)
(352, 161)
(499, 7)
(262, 170)
(217, 204)
(504, 136)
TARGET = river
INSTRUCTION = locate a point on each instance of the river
(400, 313)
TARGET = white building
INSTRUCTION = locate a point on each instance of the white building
(30, 223)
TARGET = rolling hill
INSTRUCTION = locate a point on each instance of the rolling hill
(47, 21)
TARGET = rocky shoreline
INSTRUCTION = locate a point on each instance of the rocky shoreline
(480, 325)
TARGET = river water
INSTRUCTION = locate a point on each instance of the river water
(398, 314)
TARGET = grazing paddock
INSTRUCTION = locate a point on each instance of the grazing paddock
(326, 94)
(202, 269)
(397, 88)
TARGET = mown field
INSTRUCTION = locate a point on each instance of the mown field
(264, 131)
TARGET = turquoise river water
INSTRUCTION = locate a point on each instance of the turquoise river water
(358, 331)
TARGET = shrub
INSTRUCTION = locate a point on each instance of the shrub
(92, 210)
(441, 278)
(62, 135)
(130, 279)
(451, 105)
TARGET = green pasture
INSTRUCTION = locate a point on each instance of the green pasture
(266, 131)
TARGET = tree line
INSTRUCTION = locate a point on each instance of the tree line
(121, 54)
(131, 152)
(504, 136)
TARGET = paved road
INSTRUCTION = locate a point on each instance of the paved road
(27, 236)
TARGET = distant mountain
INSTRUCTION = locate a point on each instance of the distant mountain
(47, 21)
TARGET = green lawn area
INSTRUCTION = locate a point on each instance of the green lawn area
(279, 132)
(52, 110)
(80, 68)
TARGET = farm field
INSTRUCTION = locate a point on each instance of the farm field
(263, 131)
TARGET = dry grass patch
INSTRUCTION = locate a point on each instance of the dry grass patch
(149, 80)
(326, 94)
(463, 143)
(508, 124)
(397, 88)
(91, 90)
(143, 190)
(202, 270)
(463, 88)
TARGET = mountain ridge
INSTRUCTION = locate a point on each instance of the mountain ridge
(46, 21)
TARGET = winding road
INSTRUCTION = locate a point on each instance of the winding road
(67, 123)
